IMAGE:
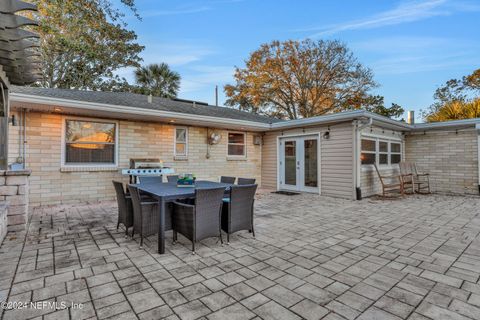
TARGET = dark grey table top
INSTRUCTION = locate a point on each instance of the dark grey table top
(170, 190)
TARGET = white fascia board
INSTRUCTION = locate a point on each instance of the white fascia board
(446, 124)
(338, 117)
(94, 106)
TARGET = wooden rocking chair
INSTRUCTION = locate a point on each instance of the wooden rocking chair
(408, 176)
(395, 184)
(422, 180)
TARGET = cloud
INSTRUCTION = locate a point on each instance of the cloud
(405, 12)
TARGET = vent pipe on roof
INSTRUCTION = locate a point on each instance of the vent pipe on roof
(150, 98)
(411, 117)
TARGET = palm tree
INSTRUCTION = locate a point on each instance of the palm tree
(158, 80)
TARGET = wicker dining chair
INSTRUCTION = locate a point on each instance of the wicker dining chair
(172, 178)
(226, 179)
(242, 181)
(145, 215)
(125, 209)
(201, 220)
(237, 212)
(150, 179)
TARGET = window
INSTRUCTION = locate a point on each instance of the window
(383, 152)
(89, 142)
(369, 149)
(395, 152)
(380, 151)
(236, 144)
(181, 142)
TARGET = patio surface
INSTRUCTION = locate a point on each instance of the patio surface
(314, 258)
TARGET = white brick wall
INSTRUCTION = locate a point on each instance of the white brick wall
(451, 159)
(49, 185)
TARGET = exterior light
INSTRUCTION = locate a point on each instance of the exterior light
(326, 135)
(57, 109)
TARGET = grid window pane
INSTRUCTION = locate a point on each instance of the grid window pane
(396, 158)
(236, 138)
(368, 158)
(87, 131)
(395, 147)
(180, 149)
(236, 150)
(90, 153)
(368, 145)
(181, 135)
(383, 146)
(383, 158)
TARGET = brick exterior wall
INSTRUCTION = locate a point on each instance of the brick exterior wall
(14, 195)
(51, 184)
(451, 159)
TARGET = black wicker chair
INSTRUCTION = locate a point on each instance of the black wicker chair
(201, 220)
(237, 212)
(172, 179)
(145, 215)
(225, 179)
(125, 209)
(243, 181)
(150, 179)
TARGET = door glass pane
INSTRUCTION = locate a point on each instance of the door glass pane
(311, 163)
(290, 163)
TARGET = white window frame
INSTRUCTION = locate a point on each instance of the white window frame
(63, 148)
(377, 140)
(236, 157)
(180, 156)
(369, 152)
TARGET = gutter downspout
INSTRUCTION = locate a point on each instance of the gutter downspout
(477, 128)
(359, 126)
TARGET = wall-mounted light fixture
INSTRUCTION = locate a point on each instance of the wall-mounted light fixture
(326, 135)
(12, 120)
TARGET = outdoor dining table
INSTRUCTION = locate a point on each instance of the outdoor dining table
(168, 192)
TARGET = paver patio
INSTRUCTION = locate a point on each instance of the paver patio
(314, 257)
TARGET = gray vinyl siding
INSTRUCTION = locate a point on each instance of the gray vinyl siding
(336, 158)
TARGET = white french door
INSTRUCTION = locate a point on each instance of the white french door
(298, 163)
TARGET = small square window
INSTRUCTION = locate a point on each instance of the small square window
(236, 144)
(181, 142)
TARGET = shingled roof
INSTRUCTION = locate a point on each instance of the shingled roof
(141, 101)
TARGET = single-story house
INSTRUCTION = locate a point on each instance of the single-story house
(76, 142)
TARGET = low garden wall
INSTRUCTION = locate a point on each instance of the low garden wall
(14, 195)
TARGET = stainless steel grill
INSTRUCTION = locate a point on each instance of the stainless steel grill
(146, 167)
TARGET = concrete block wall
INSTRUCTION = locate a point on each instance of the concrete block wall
(450, 157)
(14, 194)
(50, 183)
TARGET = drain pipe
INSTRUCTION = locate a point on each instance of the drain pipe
(359, 126)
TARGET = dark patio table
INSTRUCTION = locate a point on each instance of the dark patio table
(168, 192)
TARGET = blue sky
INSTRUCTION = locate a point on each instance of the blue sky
(411, 46)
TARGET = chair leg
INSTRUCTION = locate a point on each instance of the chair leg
(228, 238)
(193, 247)
(141, 240)
(221, 238)
(118, 224)
(126, 232)
(174, 237)
(253, 230)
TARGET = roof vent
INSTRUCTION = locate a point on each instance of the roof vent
(411, 117)
(150, 98)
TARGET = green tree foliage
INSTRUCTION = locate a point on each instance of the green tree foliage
(84, 42)
(299, 79)
(456, 99)
(157, 80)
